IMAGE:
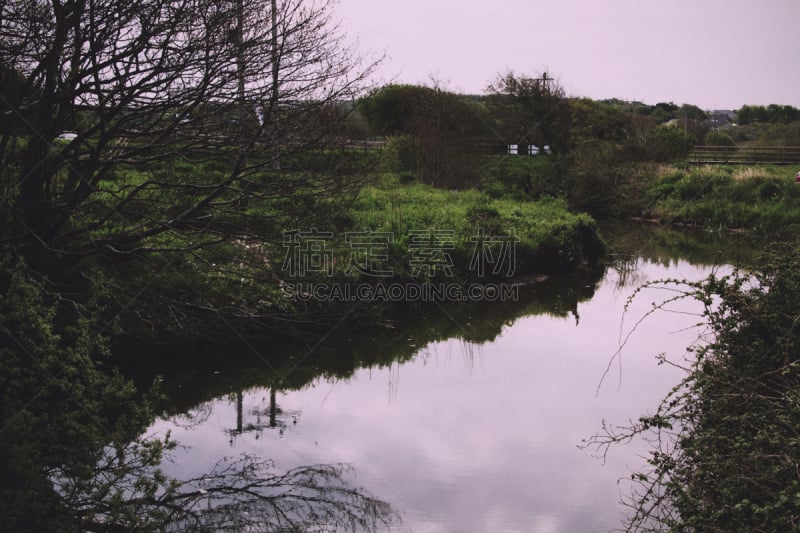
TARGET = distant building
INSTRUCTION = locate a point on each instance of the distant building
(720, 119)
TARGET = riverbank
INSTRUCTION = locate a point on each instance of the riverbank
(761, 199)
(205, 370)
(547, 236)
(743, 373)
(755, 199)
(354, 255)
(410, 243)
(480, 399)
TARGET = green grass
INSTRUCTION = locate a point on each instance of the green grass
(764, 199)
(249, 277)
(550, 237)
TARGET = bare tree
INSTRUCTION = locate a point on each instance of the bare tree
(179, 112)
(129, 491)
(221, 86)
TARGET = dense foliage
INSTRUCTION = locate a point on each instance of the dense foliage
(60, 405)
(432, 132)
(761, 199)
(443, 138)
(137, 136)
(550, 238)
(784, 114)
(153, 155)
(727, 442)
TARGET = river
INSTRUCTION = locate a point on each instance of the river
(471, 420)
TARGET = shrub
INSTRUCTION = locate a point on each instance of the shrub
(668, 143)
(718, 138)
(726, 440)
(521, 177)
(763, 198)
(486, 218)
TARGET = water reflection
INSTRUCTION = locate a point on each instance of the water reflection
(71, 461)
(462, 417)
(256, 419)
(467, 418)
(665, 245)
(197, 375)
(129, 492)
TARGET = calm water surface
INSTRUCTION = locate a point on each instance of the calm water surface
(465, 436)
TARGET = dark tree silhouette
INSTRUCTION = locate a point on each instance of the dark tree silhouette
(532, 110)
(224, 87)
(129, 491)
(191, 123)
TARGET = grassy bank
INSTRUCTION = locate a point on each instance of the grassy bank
(760, 199)
(388, 232)
(549, 236)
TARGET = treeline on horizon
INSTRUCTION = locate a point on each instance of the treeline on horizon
(601, 156)
(398, 108)
(407, 97)
(436, 134)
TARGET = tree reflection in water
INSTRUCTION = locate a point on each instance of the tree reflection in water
(129, 491)
(273, 416)
(73, 455)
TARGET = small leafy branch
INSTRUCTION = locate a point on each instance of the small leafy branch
(677, 290)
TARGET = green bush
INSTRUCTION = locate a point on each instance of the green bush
(718, 138)
(60, 405)
(693, 187)
(668, 143)
(769, 189)
(521, 177)
(485, 217)
(399, 154)
(726, 440)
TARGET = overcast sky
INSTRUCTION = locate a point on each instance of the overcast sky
(717, 54)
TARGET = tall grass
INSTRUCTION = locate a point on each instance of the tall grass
(549, 235)
(763, 199)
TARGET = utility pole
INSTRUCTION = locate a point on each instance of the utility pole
(273, 408)
(546, 82)
(276, 161)
(241, 74)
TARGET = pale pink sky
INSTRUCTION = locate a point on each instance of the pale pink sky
(717, 54)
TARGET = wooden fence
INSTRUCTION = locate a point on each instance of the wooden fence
(744, 155)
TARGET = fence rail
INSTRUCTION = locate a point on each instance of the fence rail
(744, 155)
